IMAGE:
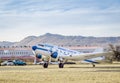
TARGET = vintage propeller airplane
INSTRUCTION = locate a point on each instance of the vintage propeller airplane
(48, 53)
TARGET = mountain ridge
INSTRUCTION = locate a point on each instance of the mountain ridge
(65, 40)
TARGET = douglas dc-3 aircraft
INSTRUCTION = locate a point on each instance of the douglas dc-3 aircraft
(49, 53)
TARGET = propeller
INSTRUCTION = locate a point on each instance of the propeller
(35, 59)
(116, 51)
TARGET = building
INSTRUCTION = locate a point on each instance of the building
(16, 52)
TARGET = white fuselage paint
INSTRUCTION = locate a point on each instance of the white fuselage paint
(66, 53)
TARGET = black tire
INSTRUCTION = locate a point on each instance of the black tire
(45, 65)
(61, 65)
(93, 65)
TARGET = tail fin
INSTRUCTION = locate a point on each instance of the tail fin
(98, 50)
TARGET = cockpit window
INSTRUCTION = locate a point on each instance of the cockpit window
(41, 45)
(46, 45)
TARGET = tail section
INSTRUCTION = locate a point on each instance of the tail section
(98, 50)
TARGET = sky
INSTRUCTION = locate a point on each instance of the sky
(22, 18)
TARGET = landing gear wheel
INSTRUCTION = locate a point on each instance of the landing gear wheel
(61, 65)
(93, 65)
(45, 65)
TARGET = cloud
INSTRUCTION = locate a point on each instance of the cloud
(77, 17)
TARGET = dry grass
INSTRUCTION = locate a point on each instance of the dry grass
(69, 74)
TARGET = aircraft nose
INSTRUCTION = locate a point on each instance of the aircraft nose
(34, 47)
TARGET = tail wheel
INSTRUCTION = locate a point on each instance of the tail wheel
(45, 65)
(93, 64)
(61, 65)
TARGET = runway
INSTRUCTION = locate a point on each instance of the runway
(85, 67)
(83, 73)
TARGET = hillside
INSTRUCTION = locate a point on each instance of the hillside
(63, 40)
(67, 40)
(6, 43)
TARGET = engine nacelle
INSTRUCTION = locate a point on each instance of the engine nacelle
(54, 55)
(39, 56)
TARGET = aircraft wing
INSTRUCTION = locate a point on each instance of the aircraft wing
(85, 56)
(93, 55)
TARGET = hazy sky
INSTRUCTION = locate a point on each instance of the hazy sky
(22, 18)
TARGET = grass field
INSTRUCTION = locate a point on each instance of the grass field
(69, 74)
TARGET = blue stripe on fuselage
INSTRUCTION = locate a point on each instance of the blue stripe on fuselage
(42, 49)
(90, 61)
(38, 48)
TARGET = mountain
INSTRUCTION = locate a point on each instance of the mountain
(67, 40)
(63, 40)
(6, 43)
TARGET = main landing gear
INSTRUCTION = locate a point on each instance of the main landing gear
(45, 64)
(61, 65)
